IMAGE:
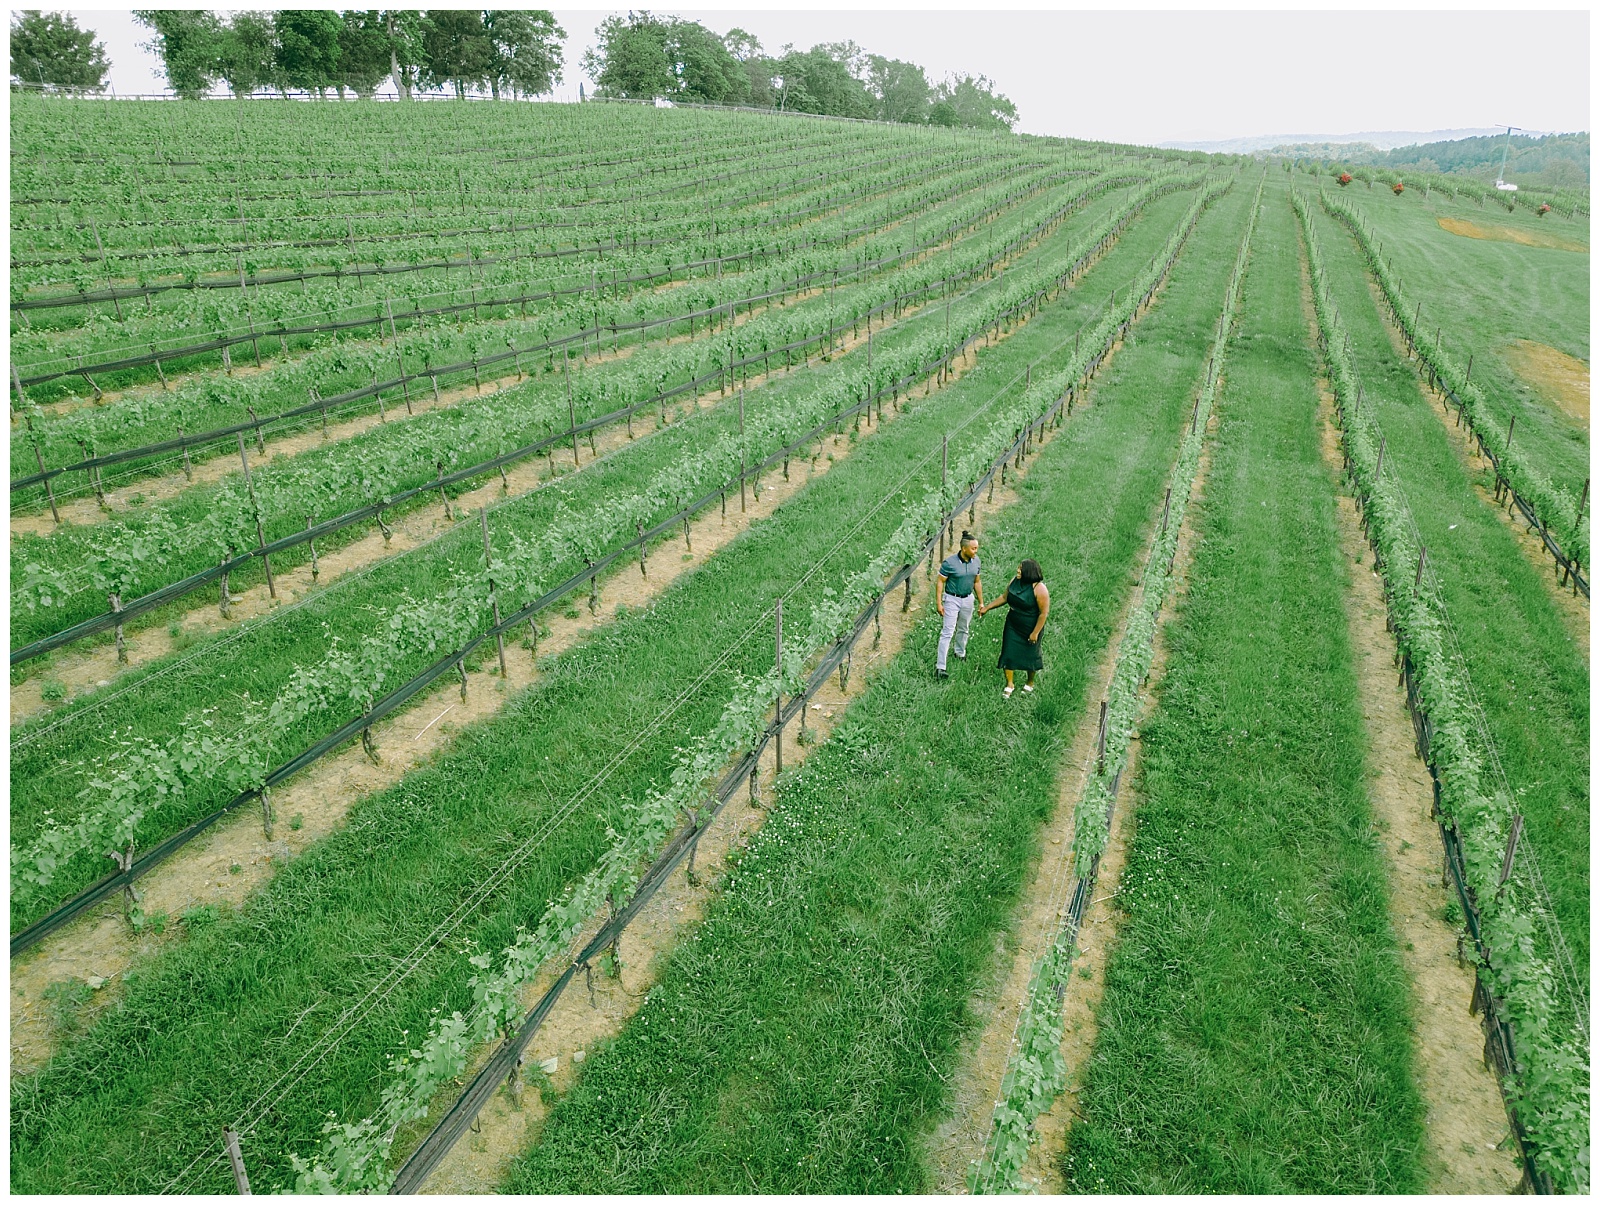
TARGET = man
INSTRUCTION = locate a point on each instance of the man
(959, 582)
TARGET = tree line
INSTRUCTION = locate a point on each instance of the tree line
(504, 52)
(512, 52)
(642, 56)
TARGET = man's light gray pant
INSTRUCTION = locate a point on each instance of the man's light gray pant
(957, 618)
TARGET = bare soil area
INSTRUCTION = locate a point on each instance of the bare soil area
(1496, 232)
(1554, 375)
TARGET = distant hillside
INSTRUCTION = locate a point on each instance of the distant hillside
(1377, 140)
(1558, 160)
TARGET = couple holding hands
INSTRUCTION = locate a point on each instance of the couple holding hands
(960, 593)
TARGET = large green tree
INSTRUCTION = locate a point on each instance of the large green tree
(641, 56)
(526, 45)
(247, 48)
(457, 50)
(817, 82)
(746, 48)
(901, 90)
(971, 101)
(187, 41)
(308, 48)
(404, 30)
(48, 49)
(363, 51)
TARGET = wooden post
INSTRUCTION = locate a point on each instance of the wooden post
(94, 476)
(122, 647)
(777, 660)
(1422, 561)
(494, 596)
(266, 561)
(1100, 741)
(223, 601)
(1511, 851)
(261, 444)
(572, 415)
(241, 1181)
(1512, 426)
(1583, 501)
(1166, 509)
(50, 493)
(438, 469)
(638, 527)
(1377, 477)
(1468, 377)
(315, 568)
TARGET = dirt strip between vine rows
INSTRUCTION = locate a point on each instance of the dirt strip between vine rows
(1469, 1148)
(1573, 607)
(961, 1138)
(225, 865)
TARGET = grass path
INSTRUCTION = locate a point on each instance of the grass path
(797, 1042)
(1254, 1029)
(1529, 673)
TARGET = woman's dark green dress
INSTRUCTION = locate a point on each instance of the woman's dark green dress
(1023, 613)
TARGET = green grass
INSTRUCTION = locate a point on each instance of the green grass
(801, 1040)
(204, 1026)
(48, 774)
(1254, 1032)
(1485, 294)
(1527, 670)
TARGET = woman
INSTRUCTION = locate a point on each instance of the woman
(1029, 600)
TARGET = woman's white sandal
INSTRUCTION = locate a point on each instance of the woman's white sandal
(1006, 693)
(1028, 688)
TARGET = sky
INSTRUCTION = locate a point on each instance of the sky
(1150, 77)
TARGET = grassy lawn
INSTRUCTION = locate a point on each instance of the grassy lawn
(1254, 1033)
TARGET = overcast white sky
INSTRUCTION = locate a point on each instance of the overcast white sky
(1152, 77)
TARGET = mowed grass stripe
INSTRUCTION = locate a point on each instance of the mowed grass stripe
(1253, 1034)
(48, 775)
(213, 1020)
(801, 1040)
(1525, 667)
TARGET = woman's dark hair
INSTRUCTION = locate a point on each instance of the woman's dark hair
(1031, 573)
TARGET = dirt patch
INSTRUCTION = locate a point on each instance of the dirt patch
(1556, 376)
(1495, 232)
(1468, 1142)
(1573, 608)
